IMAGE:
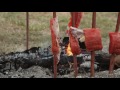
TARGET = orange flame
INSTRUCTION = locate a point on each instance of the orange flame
(68, 51)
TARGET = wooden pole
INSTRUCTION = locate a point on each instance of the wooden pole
(27, 30)
(55, 56)
(93, 52)
(74, 56)
(112, 60)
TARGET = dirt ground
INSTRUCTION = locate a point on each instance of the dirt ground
(39, 72)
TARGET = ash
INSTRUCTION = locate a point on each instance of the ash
(37, 62)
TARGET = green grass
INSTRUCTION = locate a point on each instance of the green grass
(13, 28)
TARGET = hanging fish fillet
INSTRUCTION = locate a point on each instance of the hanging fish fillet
(54, 27)
(74, 44)
(75, 48)
(78, 17)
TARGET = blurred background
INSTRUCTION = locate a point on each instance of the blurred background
(13, 28)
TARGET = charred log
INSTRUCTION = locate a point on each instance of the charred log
(43, 57)
(31, 57)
